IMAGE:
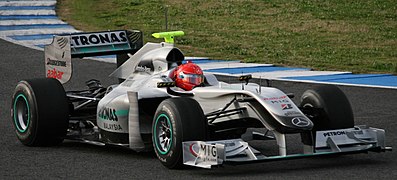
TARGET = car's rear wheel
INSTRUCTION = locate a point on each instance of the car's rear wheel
(328, 107)
(177, 120)
(40, 112)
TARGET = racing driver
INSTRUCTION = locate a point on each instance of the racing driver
(187, 76)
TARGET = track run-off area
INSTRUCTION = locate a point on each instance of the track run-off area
(33, 24)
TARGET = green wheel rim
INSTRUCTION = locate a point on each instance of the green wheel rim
(163, 134)
(21, 113)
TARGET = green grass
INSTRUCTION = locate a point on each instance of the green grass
(358, 36)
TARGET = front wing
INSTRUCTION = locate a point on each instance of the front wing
(236, 151)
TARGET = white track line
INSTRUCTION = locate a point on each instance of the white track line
(30, 22)
(232, 64)
(38, 31)
(336, 83)
(27, 12)
(18, 42)
(36, 42)
(28, 3)
(195, 58)
(294, 73)
(286, 73)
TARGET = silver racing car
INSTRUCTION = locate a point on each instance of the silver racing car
(207, 124)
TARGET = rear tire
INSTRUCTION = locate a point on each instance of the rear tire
(177, 120)
(40, 112)
(328, 107)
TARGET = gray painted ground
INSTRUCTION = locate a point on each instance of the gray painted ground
(70, 160)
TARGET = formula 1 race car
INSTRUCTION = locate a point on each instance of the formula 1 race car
(210, 125)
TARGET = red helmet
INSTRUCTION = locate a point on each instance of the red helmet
(187, 76)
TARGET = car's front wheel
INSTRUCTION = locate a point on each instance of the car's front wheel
(328, 107)
(177, 120)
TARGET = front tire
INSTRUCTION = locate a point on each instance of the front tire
(328, 107)
(177, 120)
(39, 112)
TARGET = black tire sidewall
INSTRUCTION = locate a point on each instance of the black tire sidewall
(335, 113)
(170, 158)
(188, 124)
(29, 136)
(333, 110)
(312, 99)
(48, 109)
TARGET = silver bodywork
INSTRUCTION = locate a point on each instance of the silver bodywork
(118, 112)
(211, 98)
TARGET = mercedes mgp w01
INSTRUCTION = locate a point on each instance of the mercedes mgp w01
(211, 125)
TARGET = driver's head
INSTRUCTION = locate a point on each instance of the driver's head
(187, 76)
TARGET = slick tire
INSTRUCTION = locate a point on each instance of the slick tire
(328, 107)
(177, 120)
(39, 112)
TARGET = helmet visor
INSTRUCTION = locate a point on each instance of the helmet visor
(195, 79)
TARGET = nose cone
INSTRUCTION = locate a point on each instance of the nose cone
(291, 124)
(302, 122)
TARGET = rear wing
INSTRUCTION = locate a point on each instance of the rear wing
(59, 54)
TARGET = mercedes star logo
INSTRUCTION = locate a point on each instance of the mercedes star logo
(300, 122)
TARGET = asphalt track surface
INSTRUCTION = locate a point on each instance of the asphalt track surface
(71, 160)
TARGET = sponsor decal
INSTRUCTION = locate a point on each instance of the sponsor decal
(108, 114)
(334, 133)
(111, 114)
(206, 152)
(275, 98)
(116, 127)
(62, 42)
(56, 62)
(104, 38)
(286, 106)
(300, 122)
(142, 69)
(193, 148)
(279, 101)
(292, 113)
(54, 73)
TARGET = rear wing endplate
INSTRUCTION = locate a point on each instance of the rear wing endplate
(59, 54)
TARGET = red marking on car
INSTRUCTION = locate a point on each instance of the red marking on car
(55, 74)
(192, 150)
(286, 106)
(274, 98)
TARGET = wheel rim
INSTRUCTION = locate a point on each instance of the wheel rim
(21, 113)
(311, 115)
(163, 134)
